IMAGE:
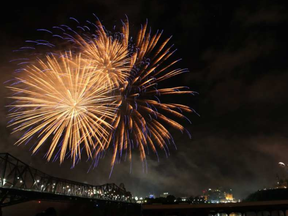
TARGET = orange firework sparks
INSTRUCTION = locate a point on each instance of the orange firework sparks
(63, 99)
(139, 121)
(106, 96)
(107, 54)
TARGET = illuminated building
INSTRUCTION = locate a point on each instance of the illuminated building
(151, 196)
(218, 196)
(198, 199)
(164, 195)
(282, 177)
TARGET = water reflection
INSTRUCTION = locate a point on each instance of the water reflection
(260, 213)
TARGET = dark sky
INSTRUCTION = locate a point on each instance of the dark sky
(237, 56)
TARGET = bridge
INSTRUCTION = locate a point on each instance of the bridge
(20, 183)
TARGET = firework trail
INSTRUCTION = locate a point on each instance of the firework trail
(108, 54)
(134, 67)
(140, 121)
(62, 100)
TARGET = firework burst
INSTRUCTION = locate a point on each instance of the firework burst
(106, 53)
(63, 100)
(141, 117)
(71, 100)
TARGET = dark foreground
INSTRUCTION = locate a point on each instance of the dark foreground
(263, 208)
(66, 208)
(33, 208)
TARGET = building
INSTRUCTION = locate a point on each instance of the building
(151, 196)
(218, 196)
(139, 200)
(198, 200)
(164, 195)
(282, 176)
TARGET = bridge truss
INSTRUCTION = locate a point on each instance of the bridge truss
(19, 183)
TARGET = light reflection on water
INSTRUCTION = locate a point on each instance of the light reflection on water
(232, 214)
(260, 213)
(224, 214)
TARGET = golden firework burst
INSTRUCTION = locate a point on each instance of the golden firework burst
(108, 54)
(63, 99)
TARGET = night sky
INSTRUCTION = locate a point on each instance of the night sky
(237, 57)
